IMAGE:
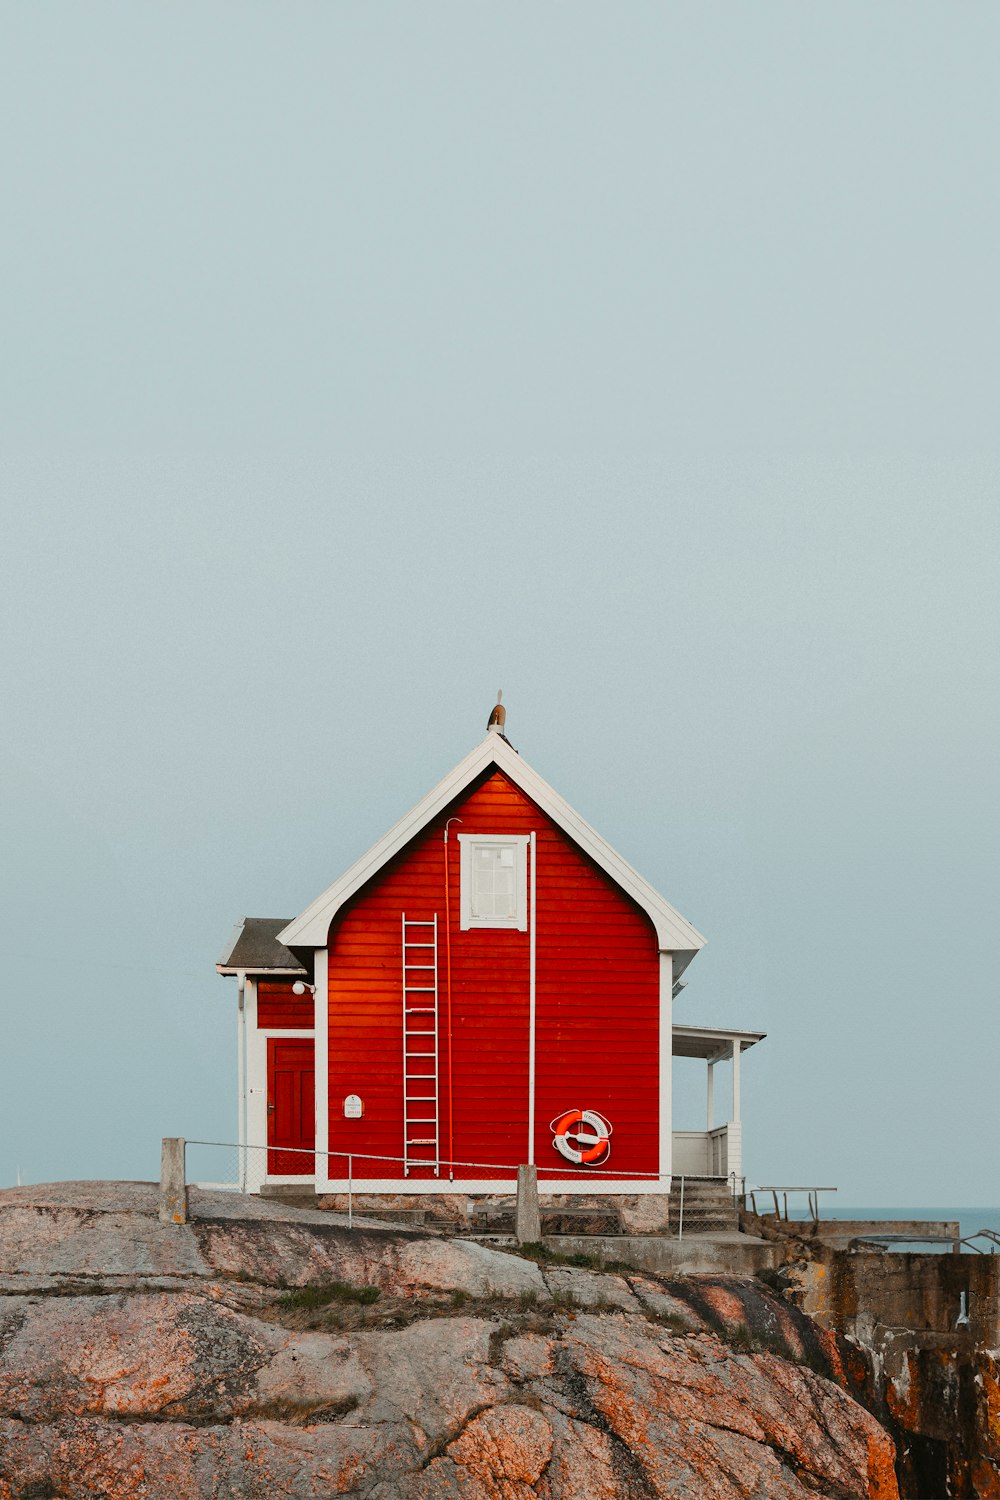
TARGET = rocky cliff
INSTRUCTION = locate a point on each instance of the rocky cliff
(928, 1327)
(262, 1351)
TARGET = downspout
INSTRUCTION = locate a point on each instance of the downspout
(241, 1074)
(447, 971)
(531, 1000)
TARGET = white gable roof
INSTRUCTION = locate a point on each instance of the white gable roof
(674, 934)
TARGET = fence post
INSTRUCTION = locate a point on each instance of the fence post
(527, 1218)
(350, 1191)
(680, 1222)
(173, 1184)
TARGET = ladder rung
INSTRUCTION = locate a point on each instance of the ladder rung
(419, 1054)
(419, 945)
(422, 1140)
(420, 966)
(412, 922)
(419, 1098)
(420, 1010)
(414, 1076)
(418, 989)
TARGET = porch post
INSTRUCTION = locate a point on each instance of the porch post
(737, 1049)
(710, 1070)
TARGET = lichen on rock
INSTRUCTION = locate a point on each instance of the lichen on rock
(139, 1360)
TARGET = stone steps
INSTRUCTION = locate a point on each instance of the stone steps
(708, 1206)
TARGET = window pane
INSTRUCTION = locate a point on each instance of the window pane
(493, 893)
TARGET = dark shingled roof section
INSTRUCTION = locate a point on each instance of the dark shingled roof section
(254, 947)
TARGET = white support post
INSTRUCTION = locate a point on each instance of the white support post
(734, 1141)
(710, 1069)
(737, 1049)
(256, 1091)
(666, 1067)
(241, 1075)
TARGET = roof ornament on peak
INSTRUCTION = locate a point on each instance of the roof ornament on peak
(498, 719)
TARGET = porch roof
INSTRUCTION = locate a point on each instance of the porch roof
(711, 1043)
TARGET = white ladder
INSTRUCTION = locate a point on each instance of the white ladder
(421, 1131)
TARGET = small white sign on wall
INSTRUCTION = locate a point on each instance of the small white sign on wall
(353, 1107)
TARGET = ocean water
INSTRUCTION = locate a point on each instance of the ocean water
(970, 1221)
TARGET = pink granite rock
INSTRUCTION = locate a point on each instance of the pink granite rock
(167, 1380)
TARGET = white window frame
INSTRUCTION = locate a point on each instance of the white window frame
(468, 843)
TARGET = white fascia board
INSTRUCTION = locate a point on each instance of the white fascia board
(712, 1034)
(260, 973)
(674, 934)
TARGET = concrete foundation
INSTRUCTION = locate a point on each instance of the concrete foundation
(611, 1213)
(722, 1255)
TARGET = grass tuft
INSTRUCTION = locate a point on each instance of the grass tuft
(543, 1255)
(334, 1291)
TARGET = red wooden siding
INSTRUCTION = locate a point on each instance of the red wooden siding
(278, 1009)
(291, 1106)
(597, 1012)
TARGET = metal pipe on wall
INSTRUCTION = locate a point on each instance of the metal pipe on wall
(532, 885)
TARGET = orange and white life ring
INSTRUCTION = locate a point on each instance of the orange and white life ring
(590, 1132)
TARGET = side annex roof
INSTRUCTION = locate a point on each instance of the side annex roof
(674, 934)
(254, 949)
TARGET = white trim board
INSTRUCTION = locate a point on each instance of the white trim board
(674, 934)
(403, 1186)
(321, 1050)
(256, 1112)
(468, 843)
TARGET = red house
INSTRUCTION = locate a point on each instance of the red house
(490, 984)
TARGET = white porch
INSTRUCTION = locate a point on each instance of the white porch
(716, 1151)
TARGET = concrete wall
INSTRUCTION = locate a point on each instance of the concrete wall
(916, 1292)
(730, 1257)
(936, 1383)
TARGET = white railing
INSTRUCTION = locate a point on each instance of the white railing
(811, 1192)
(709, 1153)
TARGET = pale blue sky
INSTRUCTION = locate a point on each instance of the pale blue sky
(642, 360)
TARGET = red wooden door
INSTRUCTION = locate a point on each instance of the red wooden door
(291, 1106)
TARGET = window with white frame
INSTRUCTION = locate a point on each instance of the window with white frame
(494, 880)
